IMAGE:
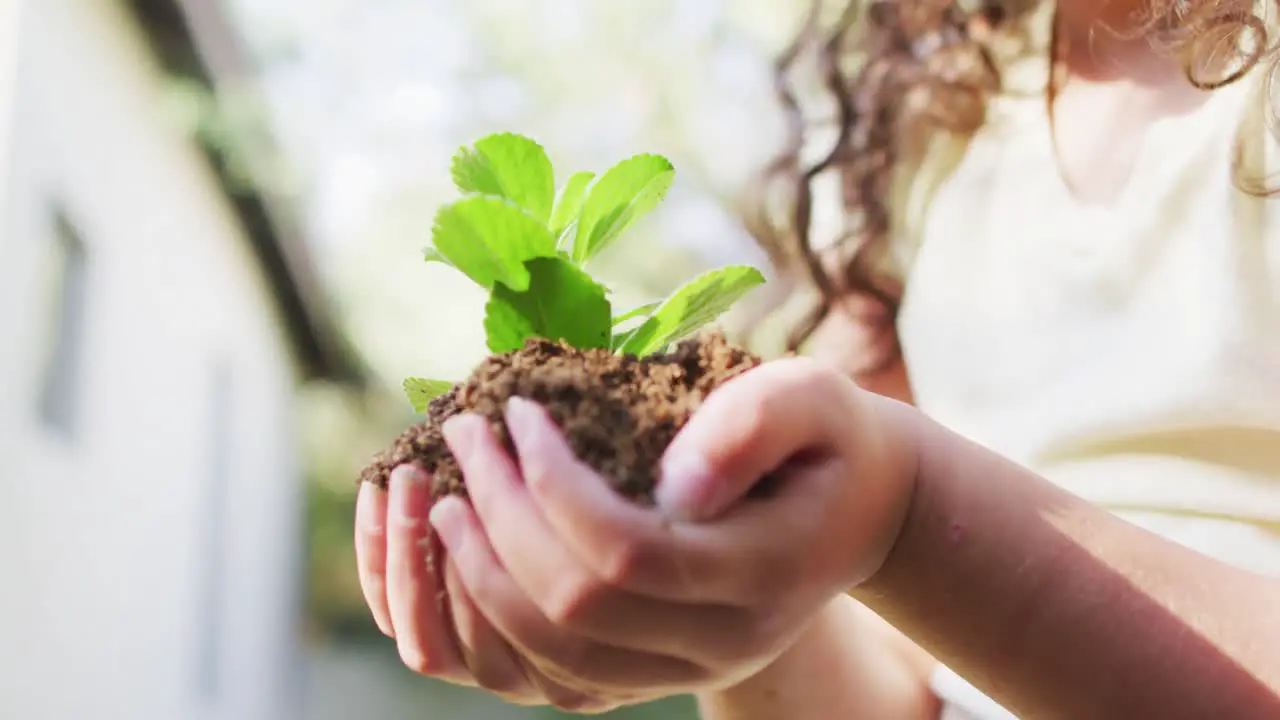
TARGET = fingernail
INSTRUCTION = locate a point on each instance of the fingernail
(683, 490)
(372, 508)
(460, 434)
(408, 494)
(446, 518)
(523, 418)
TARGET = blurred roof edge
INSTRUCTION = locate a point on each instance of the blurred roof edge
(195, 39)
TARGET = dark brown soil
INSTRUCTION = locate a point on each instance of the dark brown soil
(619, 413)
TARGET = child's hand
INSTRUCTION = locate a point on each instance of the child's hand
(392, 553)
(620, 601)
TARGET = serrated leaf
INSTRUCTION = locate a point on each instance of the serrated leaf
(636, 312)
(691, 307)
(430, 254)
(561, 303)
(490, 239)
(421, 392)
(628, 191)
(569, 202)
(510, 166)
(620, 338)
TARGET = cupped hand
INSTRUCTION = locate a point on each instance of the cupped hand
(626, 603)
(453, 641)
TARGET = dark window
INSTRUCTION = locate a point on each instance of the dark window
(60, 384)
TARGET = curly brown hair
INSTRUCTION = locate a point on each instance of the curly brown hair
(897, 71)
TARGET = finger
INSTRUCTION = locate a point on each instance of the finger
(562, 694)
(748, 428)
(564, 697)
(729, 565)
(491, 661)
(371, 552)
(412, 587)
(495, 665)
(560, 691)
(567, 592)
(593, 666)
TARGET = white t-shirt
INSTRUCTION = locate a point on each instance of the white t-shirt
(1130, 353)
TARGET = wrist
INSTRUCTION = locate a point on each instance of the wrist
(827, 625)
(842, 664)
(888, 489)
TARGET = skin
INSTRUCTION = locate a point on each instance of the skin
(1056, 608)
(583, 600)
(610, 603)
(561, 593)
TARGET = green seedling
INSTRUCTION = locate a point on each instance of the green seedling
(528, 245)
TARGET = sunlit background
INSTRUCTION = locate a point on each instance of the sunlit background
(211, 213)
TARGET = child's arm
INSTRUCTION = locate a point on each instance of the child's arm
(1051, 605)
(848, 664)
(1057, 608)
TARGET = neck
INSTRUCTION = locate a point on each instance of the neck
(1106, 40)
(1080, 18)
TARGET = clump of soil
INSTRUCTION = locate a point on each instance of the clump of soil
(618, 412)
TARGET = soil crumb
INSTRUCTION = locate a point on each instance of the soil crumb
(619, 412)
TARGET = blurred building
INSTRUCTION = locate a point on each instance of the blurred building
(156, 317)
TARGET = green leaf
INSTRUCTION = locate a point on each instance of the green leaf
(624, 194)
(561, 303)
(509, 166)
(696, 304)
(620, 338)
(430, 254)
(421, 392)
(569, 202)
(636, 312)
(489, 239)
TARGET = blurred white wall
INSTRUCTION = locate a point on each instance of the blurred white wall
(8, 60)
(149, 500)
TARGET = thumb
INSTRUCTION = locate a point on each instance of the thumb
(748, 428)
